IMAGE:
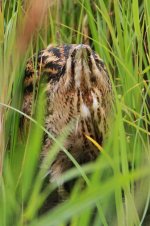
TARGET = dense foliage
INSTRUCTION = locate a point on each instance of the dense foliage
(117, 186)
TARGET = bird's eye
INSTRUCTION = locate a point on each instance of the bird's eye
(63, 69)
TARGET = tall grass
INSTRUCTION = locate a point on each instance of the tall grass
(118, 184)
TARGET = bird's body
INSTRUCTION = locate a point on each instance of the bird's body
(78, 89)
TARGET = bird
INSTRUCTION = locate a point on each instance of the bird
(77, 88)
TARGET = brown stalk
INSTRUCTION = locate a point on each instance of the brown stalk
(33, 18)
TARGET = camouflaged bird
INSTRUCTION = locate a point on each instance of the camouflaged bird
(77, 88)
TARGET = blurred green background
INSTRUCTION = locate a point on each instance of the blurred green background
(117, 189)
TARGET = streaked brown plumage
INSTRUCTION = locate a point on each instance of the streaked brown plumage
(77, 88)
